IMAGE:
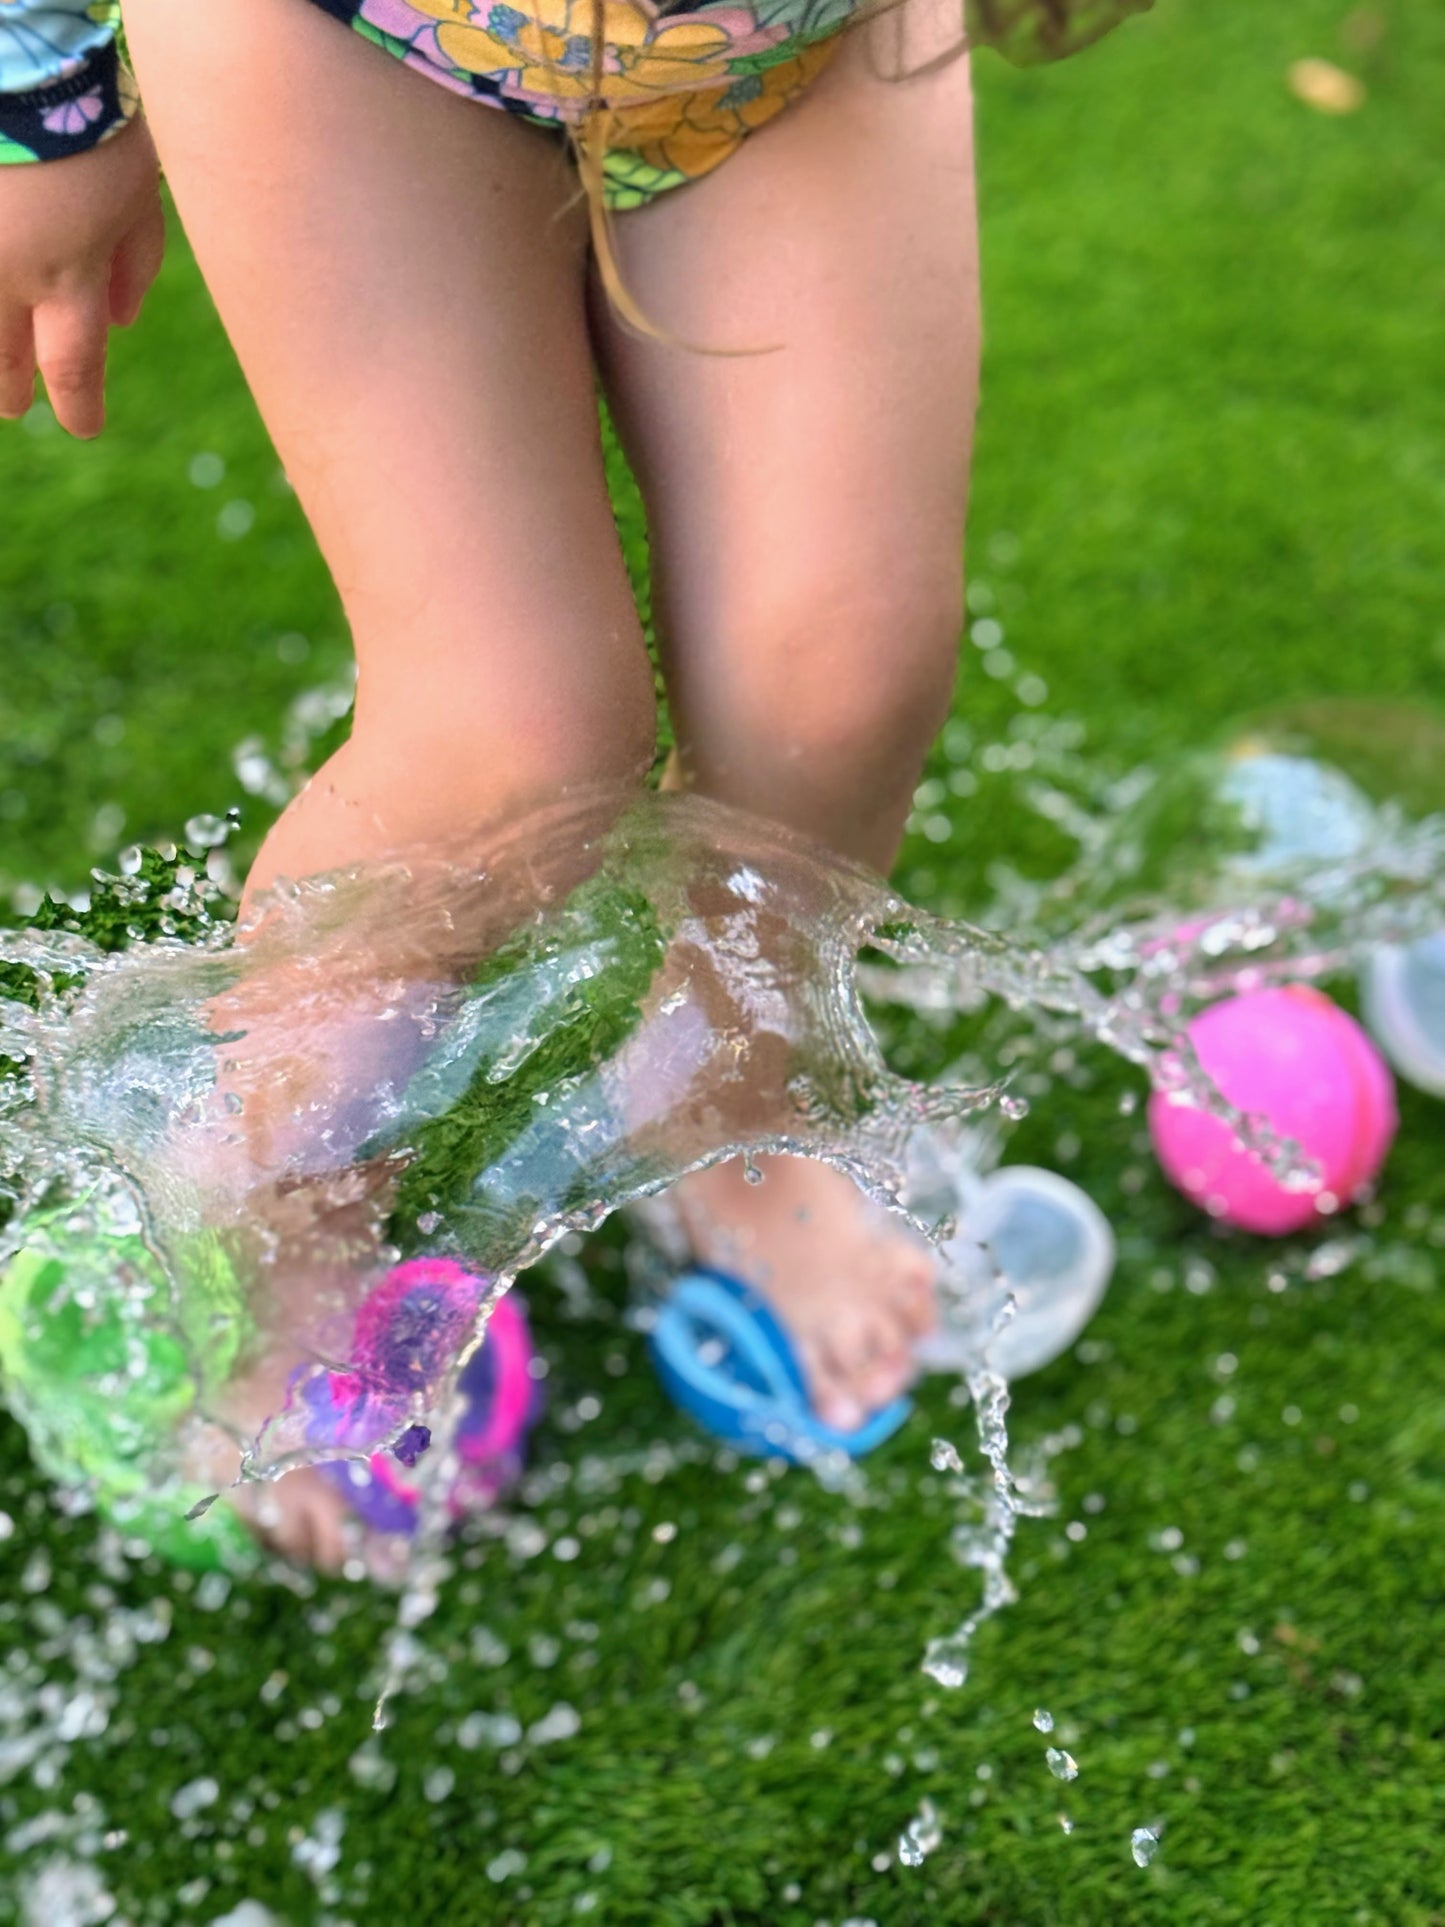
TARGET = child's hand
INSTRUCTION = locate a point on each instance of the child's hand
(80, 242)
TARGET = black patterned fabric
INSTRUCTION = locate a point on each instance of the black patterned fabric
(63, 87)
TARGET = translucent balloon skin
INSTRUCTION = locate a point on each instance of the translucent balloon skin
(1296, 1059)
(101, 1372)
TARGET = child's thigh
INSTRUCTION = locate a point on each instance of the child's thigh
(828, 475)
(402, 277)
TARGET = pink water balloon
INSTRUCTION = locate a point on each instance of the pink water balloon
(1295, 1059)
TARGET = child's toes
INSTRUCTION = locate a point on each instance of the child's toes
(302, 1518)
(873, 1362)
(329, 1538)
(915, 1301)
(830, 1386)
(889, 1369)
(283, 1531)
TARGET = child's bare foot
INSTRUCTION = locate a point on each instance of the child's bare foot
(854, 1289)
(303, 1517)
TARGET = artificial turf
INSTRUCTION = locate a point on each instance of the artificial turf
(1210, 478)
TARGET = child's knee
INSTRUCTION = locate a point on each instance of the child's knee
(859, 673)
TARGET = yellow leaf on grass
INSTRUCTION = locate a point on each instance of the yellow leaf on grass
(1325, 87)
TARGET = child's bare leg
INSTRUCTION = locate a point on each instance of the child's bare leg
(405, 298)
(408, 307)
(807, 512)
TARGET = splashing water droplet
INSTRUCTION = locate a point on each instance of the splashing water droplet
(1043, 1720)
(207, 832)
(946, 1660)
(943, 1457)
(1143, 1845)
(922, 1835)
(195, 1797)
(564, 1722)
(1062, 1765)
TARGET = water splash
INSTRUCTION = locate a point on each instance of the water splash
(485, 1049)
(471, 1056)
(676, 985)
(922, 1836)
(986, 1547)
(1143, 1845)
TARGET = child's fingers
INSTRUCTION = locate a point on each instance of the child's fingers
(136, 263)
(70, 337)
(17, 363)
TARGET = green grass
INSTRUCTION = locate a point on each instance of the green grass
(1211, 477)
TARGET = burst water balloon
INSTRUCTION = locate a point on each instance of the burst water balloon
(473, 1053)
(616, 996)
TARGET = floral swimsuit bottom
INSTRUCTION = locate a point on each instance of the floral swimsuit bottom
(680, 83)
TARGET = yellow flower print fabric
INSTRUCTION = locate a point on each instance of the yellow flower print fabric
(674, 85)
(679, 86)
